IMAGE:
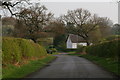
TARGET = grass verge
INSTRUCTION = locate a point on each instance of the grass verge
(14, 72)
(107, 63)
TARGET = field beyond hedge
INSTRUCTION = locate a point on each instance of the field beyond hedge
(18, 50)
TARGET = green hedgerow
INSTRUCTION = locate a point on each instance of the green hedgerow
(108, 49)
(15, 49)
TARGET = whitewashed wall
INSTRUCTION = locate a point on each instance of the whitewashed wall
(74, 45)
(83, 44)
(69, 43)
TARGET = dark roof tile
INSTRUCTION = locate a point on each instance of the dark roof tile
(76, 38)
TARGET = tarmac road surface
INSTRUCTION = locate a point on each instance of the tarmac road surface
(66, 66)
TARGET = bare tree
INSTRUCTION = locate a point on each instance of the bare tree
(10, 5)
(31, 17)
(57, 28)
(82, 22)
(34, 19)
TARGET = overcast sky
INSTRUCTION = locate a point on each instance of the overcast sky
(103, 9)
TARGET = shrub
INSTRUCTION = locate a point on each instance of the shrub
(106, 49)
(80, 49)
(62, 47)
(16, 49)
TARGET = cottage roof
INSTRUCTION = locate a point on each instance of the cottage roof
(76, 38)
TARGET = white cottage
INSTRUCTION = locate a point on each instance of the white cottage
(74, 40)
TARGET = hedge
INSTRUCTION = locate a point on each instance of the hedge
(108, 49)
(111, 38)
(16, 49)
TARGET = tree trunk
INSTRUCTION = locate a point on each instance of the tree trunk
(86, 38)
(87, 43)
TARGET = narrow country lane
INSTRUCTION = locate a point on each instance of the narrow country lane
(66, 66)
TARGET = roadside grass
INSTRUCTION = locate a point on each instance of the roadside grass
(71, 52)
(55, 53)
(107, 63)
(14, 72)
